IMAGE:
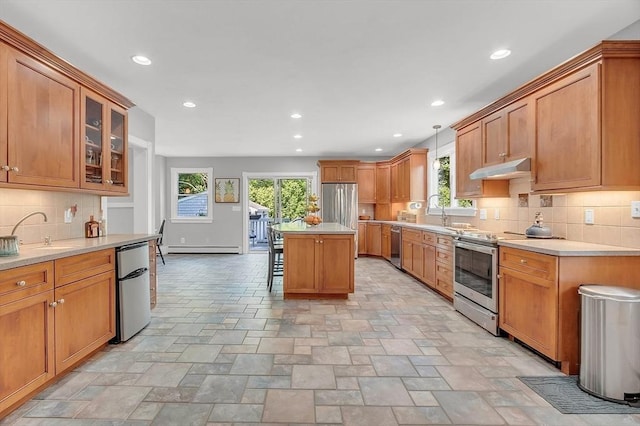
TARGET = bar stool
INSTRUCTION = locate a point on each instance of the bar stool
(276, 257)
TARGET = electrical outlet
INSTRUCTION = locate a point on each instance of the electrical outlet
(182, 240)
(635, 209)
(496, 214)
(483, 214)
(589, 216)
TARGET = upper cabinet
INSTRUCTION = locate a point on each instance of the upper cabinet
(469, 142)
(104, 144)
(585, 110)
(41, 138)
(508, 134)
(408, 172)
(338, 171)
(367, 183)
(59, 128)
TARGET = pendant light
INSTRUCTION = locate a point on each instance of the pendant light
(436, 162)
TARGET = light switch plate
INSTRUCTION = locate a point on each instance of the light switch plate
(483, 214)
(68, 216)
(635, 209)
(496, 214)
(236, 209)
(589, 216)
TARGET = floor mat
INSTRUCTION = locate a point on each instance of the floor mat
(564, 394)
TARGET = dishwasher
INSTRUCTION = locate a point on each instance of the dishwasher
(396, 246)
(133, 306)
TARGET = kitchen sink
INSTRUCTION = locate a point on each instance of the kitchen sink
(53, 247)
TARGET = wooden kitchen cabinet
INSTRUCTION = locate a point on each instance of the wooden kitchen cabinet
(367, 183)
(42, 138)
(382, 209)
(362, 238)
(409, 176)
(27, 331)
(374, 239)
(539, 300)
(385, 243)
(412, 257)
(338, 171)
(469, 159)
(104, 144)
(508, 133)
(318, 265)
(39, 127)
(85, 305)
(528, 298)
(444, 265)
(429, 258)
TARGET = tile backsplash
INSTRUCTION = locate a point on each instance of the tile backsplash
(16, 203)
(565, 214)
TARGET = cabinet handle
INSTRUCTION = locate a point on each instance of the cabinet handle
(21, 283)
(5, 168)
(15, 169)
(321, 241)
(53, 304)
(499, 276)
(502, 154)
(523, 261)
(60, 301)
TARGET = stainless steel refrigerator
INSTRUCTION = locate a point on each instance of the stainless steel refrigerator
(340, 205)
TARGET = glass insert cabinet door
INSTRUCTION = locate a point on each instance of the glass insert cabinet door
(104, 144)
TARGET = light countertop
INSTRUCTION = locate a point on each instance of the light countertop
(569, 248)
(35, 253)
(303, 228)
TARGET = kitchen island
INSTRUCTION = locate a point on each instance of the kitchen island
(318, 260)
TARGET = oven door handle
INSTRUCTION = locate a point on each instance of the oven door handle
(475, 247)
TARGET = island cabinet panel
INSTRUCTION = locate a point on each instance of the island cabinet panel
(42, 123)
(27, 333)
(367, 183)
(153, 279)
(318, 265)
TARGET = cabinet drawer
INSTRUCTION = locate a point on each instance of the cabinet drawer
(444, 243)
(74, 268)
(535, 264)
(25, 281)
(428, 238)
(443, 255)
(445, 271)
(412, 235)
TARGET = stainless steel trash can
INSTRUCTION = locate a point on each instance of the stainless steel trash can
(610, 342)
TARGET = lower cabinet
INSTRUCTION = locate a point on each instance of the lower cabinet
(444, 265)
(385, 241)
(27, 331)
(49, 321)
(318, 264)
(429, 258)
(412, 252)
(374, 239)
(362, 238)
(539, 301)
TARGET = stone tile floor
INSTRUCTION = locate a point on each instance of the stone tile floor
(221, 349)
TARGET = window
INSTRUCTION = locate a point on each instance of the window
(443, 183)
(191, 195)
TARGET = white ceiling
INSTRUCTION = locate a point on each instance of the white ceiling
(358, 71)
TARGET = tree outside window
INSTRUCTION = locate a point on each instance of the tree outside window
(192, 194)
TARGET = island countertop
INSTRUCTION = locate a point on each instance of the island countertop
(303, 228)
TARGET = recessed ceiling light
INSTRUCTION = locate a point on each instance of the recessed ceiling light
(189, 104)
(438, 102)
(500, 54)
(296, 115)
(397, 135)
(297, 136)
(141, 60)
(298, 149)
(378, 149)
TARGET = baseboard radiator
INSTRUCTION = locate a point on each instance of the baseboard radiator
(204, 249)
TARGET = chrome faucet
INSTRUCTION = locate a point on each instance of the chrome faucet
(443, 217)
(25, 218)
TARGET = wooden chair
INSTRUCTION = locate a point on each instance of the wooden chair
(159, 240)
(276, 257)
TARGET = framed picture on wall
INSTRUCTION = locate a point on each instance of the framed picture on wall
(227, 190)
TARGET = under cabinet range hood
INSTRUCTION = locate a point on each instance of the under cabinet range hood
(508, 170)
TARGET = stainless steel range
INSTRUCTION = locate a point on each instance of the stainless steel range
(475, 282)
